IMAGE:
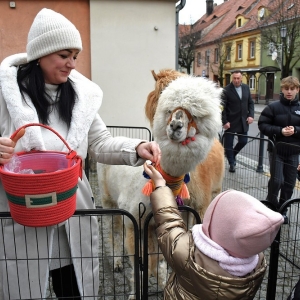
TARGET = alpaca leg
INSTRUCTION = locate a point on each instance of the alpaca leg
(130, 248)
(117, 238)
(115, 228)
(157, 264)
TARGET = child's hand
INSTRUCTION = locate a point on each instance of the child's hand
(154, 175)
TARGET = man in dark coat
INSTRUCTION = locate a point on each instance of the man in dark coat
(237, 114)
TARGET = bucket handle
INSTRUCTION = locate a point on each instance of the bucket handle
(71, 153)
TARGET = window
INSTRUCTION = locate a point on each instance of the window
(216, 55)
(228, 53)
(239, 53)
(198, 59)
(239, 23)
(252, 82)
(207, 54)
(251, 49)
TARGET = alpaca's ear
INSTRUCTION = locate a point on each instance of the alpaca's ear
(150, 106)
(154, 75)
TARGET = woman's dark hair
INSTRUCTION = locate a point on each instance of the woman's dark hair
(31, 82)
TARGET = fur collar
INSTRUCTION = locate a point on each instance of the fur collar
(86, 106)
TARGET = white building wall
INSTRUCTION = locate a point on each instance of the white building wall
(125, 47)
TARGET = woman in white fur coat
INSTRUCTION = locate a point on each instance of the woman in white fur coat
(41, 86)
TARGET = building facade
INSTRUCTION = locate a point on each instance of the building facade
(239, 34)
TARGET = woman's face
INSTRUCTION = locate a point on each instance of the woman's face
(57, 66)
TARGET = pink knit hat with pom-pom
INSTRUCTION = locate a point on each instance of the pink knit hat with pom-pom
(240, 224)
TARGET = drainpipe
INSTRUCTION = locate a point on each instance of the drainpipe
(179, 7)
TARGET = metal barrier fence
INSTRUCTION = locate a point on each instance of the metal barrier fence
(109, 282)
(156, 292)
(142, 133)
(252, 172)
(285, 254)
(107, 285)
(251, 176)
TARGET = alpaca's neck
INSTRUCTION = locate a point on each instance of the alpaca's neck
(178, 159)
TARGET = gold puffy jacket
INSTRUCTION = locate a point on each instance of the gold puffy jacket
(195, 275)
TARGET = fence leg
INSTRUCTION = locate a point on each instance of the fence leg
(260, 168)
(273, 268)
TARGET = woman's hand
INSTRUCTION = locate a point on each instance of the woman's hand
(154, 175)
(7, 147)
(149, 151)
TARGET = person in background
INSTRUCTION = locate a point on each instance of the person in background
(237, 114)
(280, 122)
(42, 86)
(221, 258)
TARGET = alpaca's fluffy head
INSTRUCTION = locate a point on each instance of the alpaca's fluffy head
(162, 79)
(183, 101)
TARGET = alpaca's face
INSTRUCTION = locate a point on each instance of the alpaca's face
(177, 126)
(186, 122)
(180, 125)
(188, 107)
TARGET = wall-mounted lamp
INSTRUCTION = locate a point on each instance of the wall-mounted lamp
(12, 4)
(155, 28)
(283, 32)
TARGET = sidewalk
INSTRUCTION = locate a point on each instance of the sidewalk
(258, 108)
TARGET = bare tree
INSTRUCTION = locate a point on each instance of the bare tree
(282, 15)
(188, 38)
(224, 50)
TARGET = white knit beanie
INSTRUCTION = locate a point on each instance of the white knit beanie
(51, 32)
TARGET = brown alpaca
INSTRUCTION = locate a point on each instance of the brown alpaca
(206, 179)
(185, 116)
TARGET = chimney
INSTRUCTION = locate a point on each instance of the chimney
(209, 7)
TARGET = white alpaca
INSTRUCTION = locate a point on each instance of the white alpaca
(185, 125)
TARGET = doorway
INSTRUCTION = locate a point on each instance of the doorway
(270, 86)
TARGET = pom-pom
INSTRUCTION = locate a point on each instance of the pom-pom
(179, 201)
(184, 193)
(146, 175)
(187, 178)
(148, 188)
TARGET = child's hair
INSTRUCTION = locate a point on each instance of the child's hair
(290, 81)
